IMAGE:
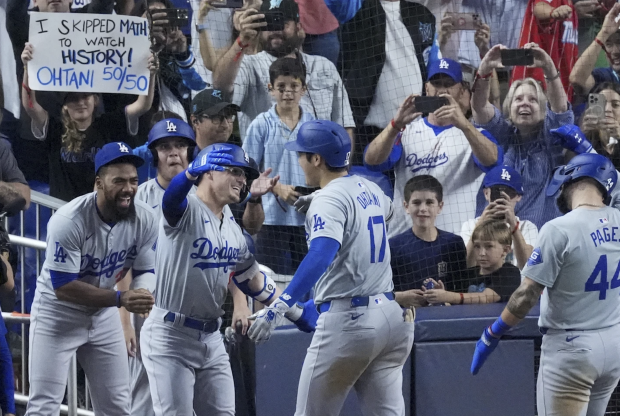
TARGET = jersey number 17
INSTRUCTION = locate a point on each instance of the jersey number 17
(372, 223)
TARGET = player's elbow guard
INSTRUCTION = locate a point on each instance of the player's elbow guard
(264, 294)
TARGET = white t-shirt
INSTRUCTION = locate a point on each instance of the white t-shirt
(528, 230)
(400, 75)
(445, 153)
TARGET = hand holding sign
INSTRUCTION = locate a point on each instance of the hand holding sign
(88, 53)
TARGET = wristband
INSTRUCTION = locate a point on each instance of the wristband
(396, 128)
(242, 46)
(516, 228)
(462, 299)
(487, 76)
(553, 78)
(499, 328)
(118, 298)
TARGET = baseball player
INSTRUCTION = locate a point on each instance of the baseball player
(362, 339)
(91, 243)
(200, 248)
(576, 267)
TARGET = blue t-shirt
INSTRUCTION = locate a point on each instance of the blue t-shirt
(414, 260)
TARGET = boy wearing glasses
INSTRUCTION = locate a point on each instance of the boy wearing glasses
(283, 230)
(503, 189)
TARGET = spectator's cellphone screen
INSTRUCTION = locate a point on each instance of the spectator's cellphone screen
(175, 17)
(275, 21)
(424, 104)
(465, 21)
(496, 193)
(596, 105)
(304, 190)
(228, 4)
(517, 57)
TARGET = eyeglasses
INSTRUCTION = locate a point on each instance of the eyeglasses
(219, 119)
(236, 172)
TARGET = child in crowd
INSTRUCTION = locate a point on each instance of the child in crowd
(492, 280)
(424, 251)
(281, 242)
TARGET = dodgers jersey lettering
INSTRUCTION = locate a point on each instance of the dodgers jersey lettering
(353, 211)
(444, 153)
(78, 241)
(578, 261)
(195, 259)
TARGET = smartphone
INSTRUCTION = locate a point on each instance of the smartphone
(517, 57)
(607, 4)
(275, 21)
(227, 4)
(465, 21)
(304, 190)
(427, 105)
(596, 105)
(496, 193)
(175, 17)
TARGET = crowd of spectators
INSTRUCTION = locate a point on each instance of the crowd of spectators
(468, 178)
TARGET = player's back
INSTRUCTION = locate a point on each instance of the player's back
(586, 293)
(353, 211)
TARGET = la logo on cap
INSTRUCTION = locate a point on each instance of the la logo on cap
(505, 175)
(171, 126)
(217, 93)
(123, 148)
(444, 64)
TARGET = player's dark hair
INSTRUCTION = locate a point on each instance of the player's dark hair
(493, 230)
(283, 67)
(568, 188)
(329, 168)
(423, 183)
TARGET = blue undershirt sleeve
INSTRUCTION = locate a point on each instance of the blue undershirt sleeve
(322, 252)
(174, 202)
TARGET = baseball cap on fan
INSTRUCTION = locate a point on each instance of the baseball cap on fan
(288, 8)
(506, 176)
(210, 102)
(116, 152)
(445, 66)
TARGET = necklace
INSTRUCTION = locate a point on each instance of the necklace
(589, 205)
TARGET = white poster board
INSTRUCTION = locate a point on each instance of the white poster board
(82, 52)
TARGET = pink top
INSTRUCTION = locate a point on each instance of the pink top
(315, 17)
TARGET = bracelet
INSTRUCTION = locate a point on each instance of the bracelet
(553, 78)
(516, 228)
(118, 298)
(462, 299)
(396, 128)
(487, 76)
(242, 46)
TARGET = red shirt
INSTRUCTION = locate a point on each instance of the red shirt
(557, 37)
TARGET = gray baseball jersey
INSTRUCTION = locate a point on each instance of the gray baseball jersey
(195, 259)
(353, 211)
(79, 242)
(151, 193)
(578, 261)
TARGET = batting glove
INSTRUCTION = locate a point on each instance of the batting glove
(571, 137)
(214, 160)
(304, 316)
(484, 347)
(303, 203)
(267, 320)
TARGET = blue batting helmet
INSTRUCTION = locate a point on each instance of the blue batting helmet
(586, 165)
(240, 158)
(326, 138)
(171, 127)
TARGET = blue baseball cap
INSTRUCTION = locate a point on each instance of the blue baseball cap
(326, 138)
(445, 66)
(116, 152)
(504, 175)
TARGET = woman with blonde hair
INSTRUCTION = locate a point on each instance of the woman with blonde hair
(73, 141)
(523, 128)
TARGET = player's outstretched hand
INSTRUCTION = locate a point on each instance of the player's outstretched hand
(138, 301)
(571, 137)
(484, 347)
(303, 202)
(214, 160)
(264, 184)
(266, 321)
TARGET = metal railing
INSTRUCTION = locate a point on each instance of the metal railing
(24, 243)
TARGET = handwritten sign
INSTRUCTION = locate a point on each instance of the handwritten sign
(89, 53)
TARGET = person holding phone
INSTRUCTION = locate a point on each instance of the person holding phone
(603, 131)
(444, 144)
(523, 128)
(503, 189)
